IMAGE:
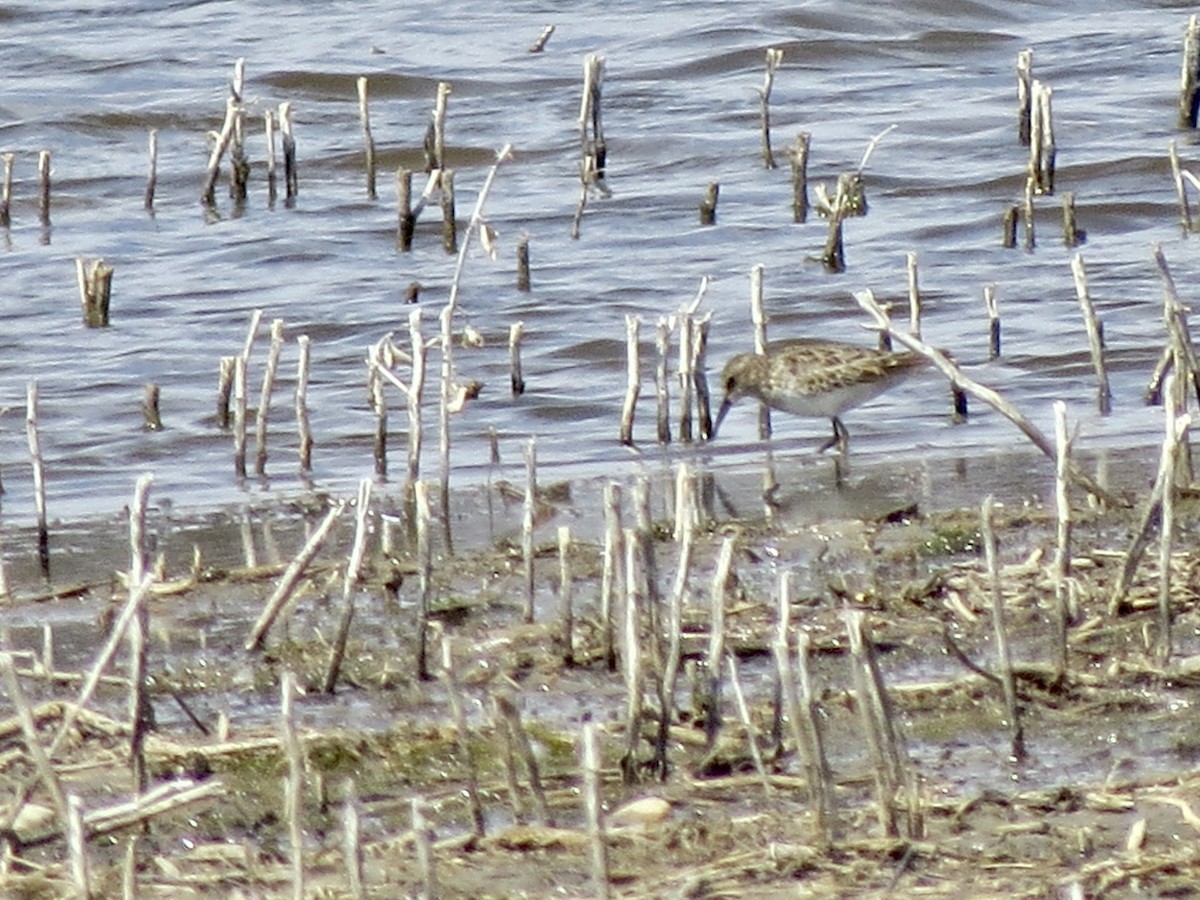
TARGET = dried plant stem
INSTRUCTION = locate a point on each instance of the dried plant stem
(303, 430)
(590, 764)
(350, 580)
(774, 58)
(1000, 633)
(540, 44)
(1189, 78)
(565, 594)
(33, 437)
(611, 571)
(716, 641)
(633, 376)
(662, 390)
(1062, 555)
(1095, 333)
(44, 188)
(293, 807)
(352, 849)
(523, 279)
(462, 737)
(33, 745)
(1025, 97)
(137, 634)
(671, 656)
(530, 515)
(1185, 210)
(364, 116)
(799, 159)
(272, 175)
(291, 175)
(264, 399)
(6, 183)
(510, 715)
(152, 177)
(81, 875)
(425, 575)
(239, 416)
(708, 206)
(739, 697)
(993, 312)
(514, 356)
(1177, 428)
(208, 192)
(406, 222)
(632, 660)
(758, 317)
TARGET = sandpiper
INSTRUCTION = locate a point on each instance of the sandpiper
(810, 377)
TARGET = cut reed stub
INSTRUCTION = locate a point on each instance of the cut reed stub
(1073, 236)
(151, 419)
(799, 159)
(523, 282)
(449, 226)
(152, 178)
(708, 206)
(406, 220)
(95, 287)
(1189, 80)
(774, 58)
(1024, 96)
(514, 353)
(364, 115)
(44, 187)
(6, 190)
(1012, 216)
(540, 44)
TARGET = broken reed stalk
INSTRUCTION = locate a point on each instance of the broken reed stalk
(633, 377)
(716, 642)
(1185, 210)
(523, 280)
(1176, 434)
(1072, 236)
(1000, 632)
(303, 429)
(423, 836)
(293, 791)
(514, 358)
(510, 715)
(565, 597)
(6, 190)
(1008, 237)
(632, 668)
(593, 152)
(364, 116)
(739, 697)
(447, 322)
(708, 206)
(876, 726)
(224, 390)
(34, 440)
(530, 516)
(799, 159)
(914, 295)
(358, 549)
(290, 579)
(152, 177)
(264, 399)
(239, 416)
(291, 175)
(436, 149)
(1095, 333)
(379, 405)
(424, 575)
(674, 627)
(866, 299)
(540, 44)
(224, 137)
(704, 419)
(1062, 544)
(1024, 97)
(140, 712)
(662, 390)
(33, 742)
(774, 58)
(352, 850)
(406, 222)
(685, 376)
(81, 875)
(415, 396)
(151, 417)
(95, 288)
(993, 312)
(1189, 76)
(272, 175)
(1027, 213)
(449, 220)
(44, 188)
(758, 317)
(1042, 151)
(594, 810)
(611, 577)
(462, 736)
(1179, 352)
(644, 531)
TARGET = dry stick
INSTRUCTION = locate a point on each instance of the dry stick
(264, 401)
(674, 626)
(514, 357)
(704, 417)
(207, 192)
(6, 190)
(993, 312)
(77, 848)
(662, 390)
(352, 849)
(530, 515)
(1189, 76)
(293, 806)
(685, 376)
(462, 736)
(224, 389)
(449, 222)
(379, 404)
(272, 176)
(358, 550)
(447, 320)
(44, 188)
(1062, 552)
(1024, 97)
(708, 206)
(774, 58)
(565, 597)
(152, 177)
(914, 295)
(590, 763)
(415, 396)
(611, 570)
(1095, 333)
(137, 633)
(41, 761)
(1000, 632)
(593, 152)
(406, 222)
(438, 124)
(633, 375)
(1027, 212)
(95, 289)
(151, 418)
(739, 697)
(291, 578)
(758, 317)
(39, 475)
(523, 282)
(302, 425)
(1177, 427)
(239, 416)
(423, 841)
(1179, 348)
(866, 299)
(799, 158)
(882, 749)
(364, 116)
(425, 577)
(644, 530)
(1072, 236)
(291, 176)
(239, 166)
(540, 44)
(716, 642)
(507, 708)
(632, 658)
(1185, 210)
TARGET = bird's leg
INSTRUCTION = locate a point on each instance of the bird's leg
(840, 438)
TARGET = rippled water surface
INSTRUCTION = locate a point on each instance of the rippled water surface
(680, 108)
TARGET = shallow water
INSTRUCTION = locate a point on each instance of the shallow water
(680, 110)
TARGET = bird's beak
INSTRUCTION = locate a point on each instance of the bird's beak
(720, 416)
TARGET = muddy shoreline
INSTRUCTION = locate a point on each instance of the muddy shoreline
(1104, 799)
